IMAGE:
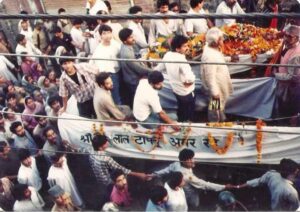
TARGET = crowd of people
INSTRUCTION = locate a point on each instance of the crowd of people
(33, 166)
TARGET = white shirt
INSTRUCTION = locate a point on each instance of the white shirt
(177, 200)
(107, 52)
(30, 49)
(224, 9)
(35, 203)
(196, 26)
(30, 175)
(78, 38)
(160, 27)
(146, 101)
(138, 34)
(99, 5)
(178, 73)
(5, 64)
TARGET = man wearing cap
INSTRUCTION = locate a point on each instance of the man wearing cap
(78, 79)
(62, 200)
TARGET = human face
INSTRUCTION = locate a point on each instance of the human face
(121, 182)
(290, 39)
(190, 163)
(59, 163)
(158, 86)
(10, 116)
(20, 131)
(138, 20)
(230, 3)
(61, 200)
(130, 40)
(184, 49)
(175, 9)
(27, 162)
(23, 42)
(52, 75)
(31, 104)
(51, 136)
(12, 102)
(68, 66)
(24, 25)
(6, 150)
(106, 36)
(108, 84)
(164, 9)
(43, 122)
(46, 82)
(38, 96)
(55, 106)
(27, 193)
(11, 89)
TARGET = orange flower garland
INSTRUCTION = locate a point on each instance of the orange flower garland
(225, 148)
(259, 137)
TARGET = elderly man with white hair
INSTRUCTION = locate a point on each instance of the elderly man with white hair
(216, 78)
(288, 87)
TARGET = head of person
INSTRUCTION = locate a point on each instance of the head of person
(102, 20)
(42, 121)
(17, 128)
(51, 75)
(67, 63)
(77, 23)
(9, 116)
(20, 39)
(24, 157)
(57, 193)
(9, 88)
(174, 7)
(21, 192)
(163, 6)
(24, 25)
(156, 80)
(230, 3)
(57, 159)
(226, 201)
(136, 10)
(180, 44)
(43, 82)
(126, 36)
(105, 33)
(158, 195)
(214, 37)
(4, 149)
(291, 35)
(196, 4)
(38, 96)
(54, 102)
(50, 134)
(11, 100)
(176, 181)
(104, 81)
(30, 103)
(288, 168)
(61, 11)
(29, 79)
(57, 32)
(186, 158)
(100, 142)
(38, 25)
(119, 179)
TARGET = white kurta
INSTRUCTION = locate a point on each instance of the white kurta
(35, 203)
(63, 177)
(5, 64)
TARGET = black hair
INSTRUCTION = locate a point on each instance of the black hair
(10, 96)
(40, 113)
(53, 99)
(99, 140)
(100, 78)
(155, 77)
(45, 131)
(108, 5)
(194, 3)
(20, 37)
(24, 12)
(124, 34)
(63, 60)
(56, 29)
(14, 126)
(161, 3)
(2, 145)
(157, 194)
(18, 191)
(27, 98)
(104, 28)
(61, 10)
(174, 180)
(186, 154)
(54, 158)
(135, 9)
(23, 154)
(115, 174)
(102, 12)
(77, 21)
(178, 41)
(287, 167)
(173, 4)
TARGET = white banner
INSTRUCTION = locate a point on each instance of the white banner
(137, 143)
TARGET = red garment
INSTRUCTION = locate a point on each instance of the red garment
(274, 21)
(122, 199)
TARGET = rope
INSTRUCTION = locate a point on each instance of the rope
(157, 124)
(152, 16)
(154, 61)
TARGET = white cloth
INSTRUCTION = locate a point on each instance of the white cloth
(30, 175)
(283, 195)
(107, 52)
(146, 101)
(30, 49)
(99, 5)
(28, 34)
(176, 200)
(78, 39)
(178, 73)
(224, 9)
(36, 203)
(198, 25)
(138, 34)
(5, 64)
(160, 27)
(62, 176)
(20, 27)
